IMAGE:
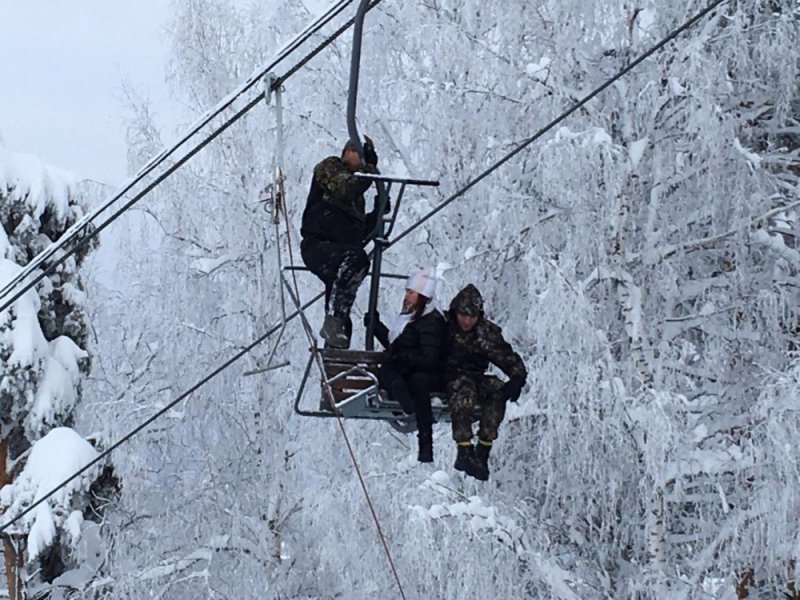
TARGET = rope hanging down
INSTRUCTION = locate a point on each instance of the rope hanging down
(80, 232)
(327, 390)
(452, 198)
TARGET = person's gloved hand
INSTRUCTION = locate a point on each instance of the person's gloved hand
(370, 156)
(513, 389)
(367, 318)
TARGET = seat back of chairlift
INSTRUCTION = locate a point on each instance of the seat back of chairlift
(351, 379)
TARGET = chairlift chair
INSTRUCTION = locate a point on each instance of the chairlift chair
(350, 377)
(350, 383)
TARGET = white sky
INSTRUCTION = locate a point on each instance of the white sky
(62, 65)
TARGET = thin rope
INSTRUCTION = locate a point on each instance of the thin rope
(337, 414)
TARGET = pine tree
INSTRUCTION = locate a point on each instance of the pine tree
(641, 256)
(43, 345)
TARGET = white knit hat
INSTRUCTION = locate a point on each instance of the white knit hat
(423, 282)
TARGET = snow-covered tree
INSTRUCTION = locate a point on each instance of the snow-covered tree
(43, 344)
(641, 256)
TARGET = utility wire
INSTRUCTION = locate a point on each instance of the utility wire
(160, 413)
(83, 225)
(259, 97)
(441, 206)
(166, 153)
(625, 70)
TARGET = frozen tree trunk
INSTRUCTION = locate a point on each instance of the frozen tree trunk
(791, 589)
(9, 553)
(656, 535)
(744, 580)
(630, 299)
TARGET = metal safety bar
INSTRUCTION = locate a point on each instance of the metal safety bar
(396, 179)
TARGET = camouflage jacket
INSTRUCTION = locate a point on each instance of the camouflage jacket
(335, 208)
(471, 352)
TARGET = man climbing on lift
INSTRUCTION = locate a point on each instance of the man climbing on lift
(334, 231)
(415, 368)
(474, 342)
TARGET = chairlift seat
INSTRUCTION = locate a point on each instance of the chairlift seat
(352, 376)
(353, 379)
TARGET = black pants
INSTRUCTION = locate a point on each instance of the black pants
(341, 267)
(412, 390)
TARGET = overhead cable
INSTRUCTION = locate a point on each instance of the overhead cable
(449, 200)
(81, 232)
(472, 183)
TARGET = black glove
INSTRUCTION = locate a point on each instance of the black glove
(513, 389)
(370, 157)
(367, 318)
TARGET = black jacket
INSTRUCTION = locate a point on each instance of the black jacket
(420, 347)
(335, 207)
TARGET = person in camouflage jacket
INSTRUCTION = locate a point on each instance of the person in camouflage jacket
(334, 230)
(474, 343)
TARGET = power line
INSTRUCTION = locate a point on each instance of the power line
(83, 225)
(166, 153)
(441, 206)
(331, 13)
(159, 414)
(687, 25)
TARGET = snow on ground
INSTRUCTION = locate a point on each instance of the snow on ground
(473, 511)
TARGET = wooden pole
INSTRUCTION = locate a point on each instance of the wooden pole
(9, 554)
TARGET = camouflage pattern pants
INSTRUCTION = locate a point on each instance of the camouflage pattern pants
(341, 267)
(467, 391)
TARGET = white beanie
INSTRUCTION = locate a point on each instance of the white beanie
(423, 282)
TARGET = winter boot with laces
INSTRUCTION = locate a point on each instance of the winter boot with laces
(463, 457)
(425, 446)
(334, 332)
(478, 466)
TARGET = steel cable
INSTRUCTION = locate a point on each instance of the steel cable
(84, 223)
(425, 218)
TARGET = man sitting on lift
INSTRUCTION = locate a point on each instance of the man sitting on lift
(334, 231)
(474, 342)
(416, 342)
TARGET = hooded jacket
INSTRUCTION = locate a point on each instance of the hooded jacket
(335, 207)
(471, 352)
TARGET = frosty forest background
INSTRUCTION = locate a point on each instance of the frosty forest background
(643, 258)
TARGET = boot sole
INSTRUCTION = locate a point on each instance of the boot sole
(476, 476)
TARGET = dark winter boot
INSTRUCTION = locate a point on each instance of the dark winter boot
(478, 467)
(463, 457)
(425, 446)
(334, 332)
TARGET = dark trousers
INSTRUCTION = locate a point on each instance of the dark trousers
(341, 267)
(412, 390)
